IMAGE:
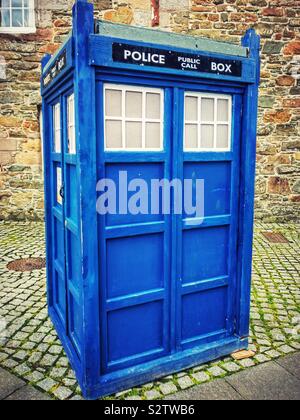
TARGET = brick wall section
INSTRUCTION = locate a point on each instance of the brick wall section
(278, 22)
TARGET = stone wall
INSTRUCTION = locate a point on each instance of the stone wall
(278, 22)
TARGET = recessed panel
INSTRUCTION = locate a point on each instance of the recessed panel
(135, 330)
(76, 323)
(59, 242)
(136, 203)
(60, 296)
(74, 271)
(217, 185)
(205, 253)
(72, 193)
(204, 313)
(135, 264)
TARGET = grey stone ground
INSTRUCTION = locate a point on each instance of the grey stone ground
(277, 380)
(30, 349)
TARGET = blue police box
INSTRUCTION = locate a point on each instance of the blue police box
(135, 297)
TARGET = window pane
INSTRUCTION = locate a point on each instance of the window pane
(222, 137)
(5, 18)
(113, 131)
(71, 125)
(153, 106)
(16, 3)
(207, 109)
(56, 129)
(17, 18)
(191, 136)
(26, 17)
(207, 136)
(191, 108)
(26, 3)
(113, 103)
(134, 135)
(58, 185)
(153, 136)
(4, 3)
(223, 112)
(134, 104)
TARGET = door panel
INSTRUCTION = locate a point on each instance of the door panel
(58, 243)
(65, 214)
(168, 284)
(135, 305)
(208, 250)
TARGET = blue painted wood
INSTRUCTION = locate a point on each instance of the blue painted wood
(153, 80)
(101, 55)
(247, 192)
(68, 48)
(182, 288)
(85, 110)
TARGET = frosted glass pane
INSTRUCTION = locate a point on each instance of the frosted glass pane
(26, 17)
(113, 134)
(222, 137)
(16, 3)
(5, 18)
(134, 104)
(17, 18)
(71, 126)
(191, 108)
(207, 109)
(56, 129)
(191, 136)
(207, 136)
(223, 110)
(153, 136)
(153, 106)
(134, 135)
(113, 103)
(58, 185)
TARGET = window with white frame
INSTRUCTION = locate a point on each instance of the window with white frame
(71, 126)
(207, 122)
(133, 118)
(17, 16)
(56, 128)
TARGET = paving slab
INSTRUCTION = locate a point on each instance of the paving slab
(9, 384)
(218, 390)
(291, 364)
(266, 382)
(28, 393)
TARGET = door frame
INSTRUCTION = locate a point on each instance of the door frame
(178, 85)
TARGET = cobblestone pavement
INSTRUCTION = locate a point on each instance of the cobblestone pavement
(30, 349)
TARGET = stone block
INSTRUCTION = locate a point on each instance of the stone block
(292, 48)
(6, 158)
(272, 47)
(277, 185)
(244, 354)
(8, 145)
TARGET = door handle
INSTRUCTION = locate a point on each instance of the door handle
(62, 192)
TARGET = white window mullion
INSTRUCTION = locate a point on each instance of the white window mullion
(215, 122)
(138, 121)
(144, 121)
(11, 14)
(23, 14)
(124, 140)
(199, 122)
